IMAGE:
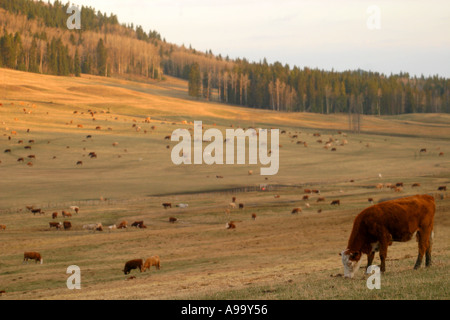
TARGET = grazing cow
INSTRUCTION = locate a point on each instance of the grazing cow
(441, 154)
(137, 224)
(254, 216)
(172, 219)
(370, 200)
(219, 177)
(307, 191)
(79, 163)
(34, 211)
(7, 151)
(32, 256)
(122, 225)
(113, 227)
(54, 215)
(376, 227)
(423, 150)
(182, 205)
(320, 199)
(57, 225)
(27, 147)
(2, 227)
(152, 261)
(296, 210)
(67, 225)
(31, 156)
(241, 206)
(305, 197)
(133, 264)
(230, 225)
(319, 211)
(416, 185)
(442, 188)
(276, 196)
(379, 186)
(167, 205)
(66, 214)
(75, 208)
(92, 155)
(315, 191)
(336, 202)
(20, 160)
(232, 205)
(399, 184)
(29, 208)
(398, 189)
(333, 149)
(233, 199)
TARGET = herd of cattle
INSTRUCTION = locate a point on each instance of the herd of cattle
(374, 229)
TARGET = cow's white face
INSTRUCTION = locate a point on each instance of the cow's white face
(351, 262)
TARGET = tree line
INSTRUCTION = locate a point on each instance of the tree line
(34, 38)
(279, 87)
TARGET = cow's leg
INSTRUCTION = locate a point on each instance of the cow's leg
(424, 239)
(384, 243)
(370, 258)
(428, 252)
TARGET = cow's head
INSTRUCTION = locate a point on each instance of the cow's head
(351, 261)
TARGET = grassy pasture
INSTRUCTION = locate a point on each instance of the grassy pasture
(277, 256)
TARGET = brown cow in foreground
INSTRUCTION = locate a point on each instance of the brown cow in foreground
(376, 227)
(133, 264)
(33, 256)
(152, 261)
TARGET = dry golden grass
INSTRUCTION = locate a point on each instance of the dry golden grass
(276, 256)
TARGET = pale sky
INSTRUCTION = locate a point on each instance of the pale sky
(414, 36)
